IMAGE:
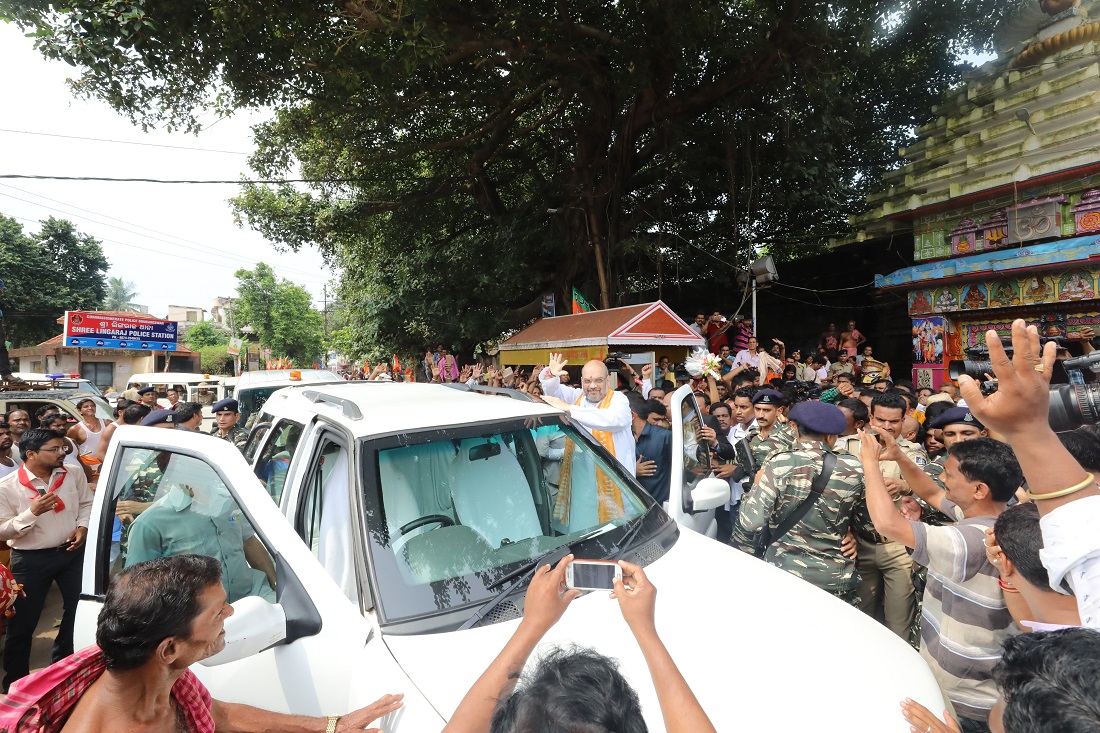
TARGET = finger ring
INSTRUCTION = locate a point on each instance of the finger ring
(1040, 368)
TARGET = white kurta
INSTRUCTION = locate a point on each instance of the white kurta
(614, 419)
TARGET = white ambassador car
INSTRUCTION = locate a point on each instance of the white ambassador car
(399, 522)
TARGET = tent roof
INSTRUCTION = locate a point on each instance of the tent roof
(647, 324)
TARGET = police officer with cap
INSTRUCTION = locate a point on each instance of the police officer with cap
(766, 437)
(770, 434)
(226, 414)
(160, 419)
(811, 548)
(148, 397)
(958, 424)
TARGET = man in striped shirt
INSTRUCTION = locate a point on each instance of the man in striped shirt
(964, 618)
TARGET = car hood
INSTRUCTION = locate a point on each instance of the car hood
(761, 649)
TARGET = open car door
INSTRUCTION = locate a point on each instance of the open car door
(182, 492)
(694, 493)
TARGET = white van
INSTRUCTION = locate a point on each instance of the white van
(252, 389)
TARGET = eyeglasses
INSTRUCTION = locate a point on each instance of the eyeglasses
(57, 449)
(596, 380)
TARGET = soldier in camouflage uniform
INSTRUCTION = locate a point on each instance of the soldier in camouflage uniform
(812, 548)
(885, 568)
(226, 413)
(765, 438)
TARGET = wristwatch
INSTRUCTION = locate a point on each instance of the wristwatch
(332, 721)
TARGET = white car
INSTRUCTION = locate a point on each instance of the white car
(400, 520)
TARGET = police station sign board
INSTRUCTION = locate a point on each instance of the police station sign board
(103, 331)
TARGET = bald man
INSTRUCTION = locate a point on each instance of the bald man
(595, 406)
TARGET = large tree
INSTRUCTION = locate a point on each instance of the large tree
(669, 139)
(45, 274)
(280, 314)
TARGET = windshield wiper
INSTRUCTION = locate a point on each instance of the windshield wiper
(522, 574)
(635, 527)
(525, 572)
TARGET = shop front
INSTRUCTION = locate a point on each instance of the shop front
(952, 303)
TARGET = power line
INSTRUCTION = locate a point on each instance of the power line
(123, 142)
(209, 248)
(157, 251)
(164, 180)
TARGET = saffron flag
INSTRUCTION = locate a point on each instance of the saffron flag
(580, 305)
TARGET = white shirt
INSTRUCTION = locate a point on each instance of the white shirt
(615, 418)
(5, 470)
(744, 356)
(23, 530)
(1071, 554)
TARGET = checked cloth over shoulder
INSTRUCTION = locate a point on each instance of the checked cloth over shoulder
(42, 702)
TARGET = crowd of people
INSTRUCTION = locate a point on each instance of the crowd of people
(957, 519)
(49, 467)
(912, 504)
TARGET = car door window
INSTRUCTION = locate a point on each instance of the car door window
(276, 457)
(324, 514)
(696, 452)
(169, 503)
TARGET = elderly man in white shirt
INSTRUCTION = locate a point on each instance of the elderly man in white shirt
(605, 414)
(584, 404)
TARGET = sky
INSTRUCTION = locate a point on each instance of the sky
(177, 243)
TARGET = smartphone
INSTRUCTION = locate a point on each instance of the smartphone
(507, 372)
(592, 574)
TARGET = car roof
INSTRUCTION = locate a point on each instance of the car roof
(389, 407)
(270, 376)
(174, 378)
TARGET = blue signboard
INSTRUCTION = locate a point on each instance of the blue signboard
(104, 331)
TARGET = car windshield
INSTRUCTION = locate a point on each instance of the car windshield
(453, 512)
(249, 401)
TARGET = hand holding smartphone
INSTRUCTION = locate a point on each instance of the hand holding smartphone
(592, 574)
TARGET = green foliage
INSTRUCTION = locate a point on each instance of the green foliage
(46, 274)
(205, 334)
(280, 314)
(214, 360)
(677, 138)
(120, 293)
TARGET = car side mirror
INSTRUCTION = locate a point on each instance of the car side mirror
(254, 626)
(709, 493)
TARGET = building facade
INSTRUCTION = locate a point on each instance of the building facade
(1002, 196)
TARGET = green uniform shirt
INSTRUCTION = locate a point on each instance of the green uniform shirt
(237, 435)
(780, 438)
(174, 526)
(811, 550)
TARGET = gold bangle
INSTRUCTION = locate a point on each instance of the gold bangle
(1085, 483)
(332, 721)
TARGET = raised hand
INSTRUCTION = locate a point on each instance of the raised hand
(637, 598)
(557, 365)
(1019, 406)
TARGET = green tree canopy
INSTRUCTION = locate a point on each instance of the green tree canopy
(120, 293)
(204, 334)
(670, 139)
(280, 314)
(45, 274)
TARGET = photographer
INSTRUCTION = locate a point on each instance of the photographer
(561, 693)
(1067, 496)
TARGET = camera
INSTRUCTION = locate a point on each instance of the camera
(1071, 405)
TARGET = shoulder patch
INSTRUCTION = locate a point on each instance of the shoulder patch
(921, 461)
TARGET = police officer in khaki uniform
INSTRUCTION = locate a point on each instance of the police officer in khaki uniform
(885, 568)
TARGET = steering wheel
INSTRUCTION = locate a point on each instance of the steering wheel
(441, 519)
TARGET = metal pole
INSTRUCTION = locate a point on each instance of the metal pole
(753, 304)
